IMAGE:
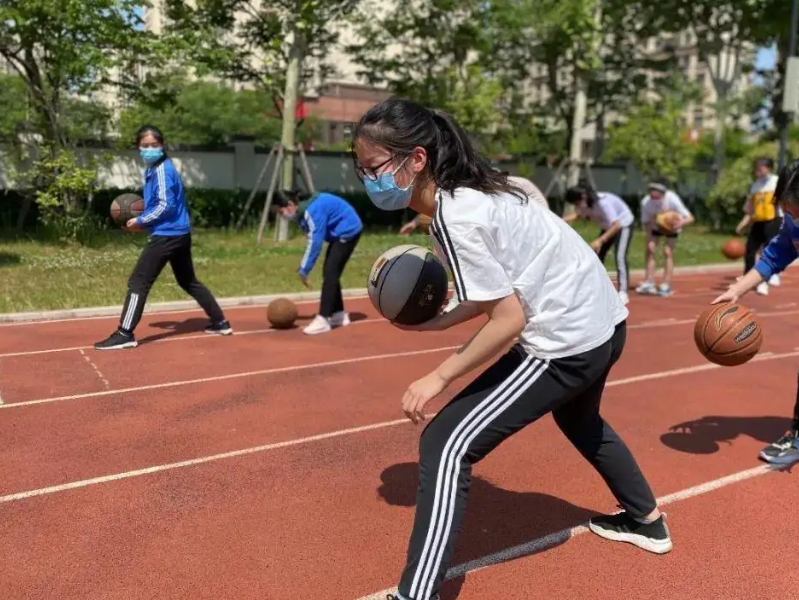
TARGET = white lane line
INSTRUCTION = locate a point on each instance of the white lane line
(114, 311)
(295, 442)
(559, 537)
(175, 338)
(96, 370)
(170, 384)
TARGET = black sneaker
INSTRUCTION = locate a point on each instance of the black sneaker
(652, 537)
(397, 597)
(784, 451)
(221, 328)
(117, 341)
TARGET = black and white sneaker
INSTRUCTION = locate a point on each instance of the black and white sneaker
(652, 537)
(221, 328)
(117, 341)
(784, 451)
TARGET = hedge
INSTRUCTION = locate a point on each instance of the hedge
(218, 208)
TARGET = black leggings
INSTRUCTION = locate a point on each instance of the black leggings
(336, 258)
(514, 392)
(760, 234)
(160, 250)
(622, 241)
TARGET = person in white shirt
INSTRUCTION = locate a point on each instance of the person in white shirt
(540, 290)
(528, 187)
(763, 216)
(615, 220)
(660, 200)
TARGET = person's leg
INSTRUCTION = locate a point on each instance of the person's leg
(668, 264)
(342, 255)
(785, 450)
(622, 242)
(603, 249)
(150, 264)
(648, 285)
(514, 392)
(579, 420)
(182, 264)
(331, 303)
(753, 243)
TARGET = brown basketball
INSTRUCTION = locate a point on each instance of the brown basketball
(728, 334)
(667, 221)
(281, 313)
(733, 249)
(424, 222)
(126, 207)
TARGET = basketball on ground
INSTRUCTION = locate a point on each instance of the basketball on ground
(408, 285)
(728, 334)
(126, 207)
(667, 220)
(733, 249)
(281, 313)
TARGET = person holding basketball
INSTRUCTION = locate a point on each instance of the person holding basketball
(615, 220)
(654, 206)
(535, 282)
(780, 252)
(324, 217)
(166, 219)
(763, 216)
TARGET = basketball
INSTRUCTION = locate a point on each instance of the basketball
(733, 249)
(424, 222)
(728, 334)
(281, 313)
(667, 220)
(126, 207)
(408, 285)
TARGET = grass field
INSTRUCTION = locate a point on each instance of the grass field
(40, 276)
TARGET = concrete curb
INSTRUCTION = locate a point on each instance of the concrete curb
(263, 300)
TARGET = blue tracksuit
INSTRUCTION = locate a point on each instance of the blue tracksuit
(781, 251)
(165, 210)
(325, 218)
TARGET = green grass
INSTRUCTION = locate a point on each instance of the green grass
(37, 275)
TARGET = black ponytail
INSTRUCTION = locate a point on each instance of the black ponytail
(401, 125)
(576, 193)
(788, 184)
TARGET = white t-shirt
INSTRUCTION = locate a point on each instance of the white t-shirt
(529, 188)
(763, 190)
(651, 208)
(607, 210)
(496, 246)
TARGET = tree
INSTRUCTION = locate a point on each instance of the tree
(649, 138)
(278, 46)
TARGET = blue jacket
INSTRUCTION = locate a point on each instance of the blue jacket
(325, 218)
(781, 251)
(165, 211)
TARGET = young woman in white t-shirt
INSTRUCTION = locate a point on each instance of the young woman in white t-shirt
(540, 290)
(615, 220)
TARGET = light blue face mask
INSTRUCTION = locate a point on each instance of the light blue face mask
(386, 194)
(151, 155)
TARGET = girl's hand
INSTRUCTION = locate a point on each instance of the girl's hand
(731, 295)
(419, 393)
(133, 225)
(596, 245)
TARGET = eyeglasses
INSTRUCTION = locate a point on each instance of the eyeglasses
(371, 173)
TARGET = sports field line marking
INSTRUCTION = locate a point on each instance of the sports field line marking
(177, 338)
(305, 440)
(559, 537)
(169, 384)
(96, 370)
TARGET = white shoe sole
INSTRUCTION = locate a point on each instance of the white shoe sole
(132, 344)
(788, 459)
(220, 332)
(645, 543)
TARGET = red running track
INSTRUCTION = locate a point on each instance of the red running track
(233, 468)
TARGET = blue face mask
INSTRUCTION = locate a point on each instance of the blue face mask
(151, 155)
(386, 194)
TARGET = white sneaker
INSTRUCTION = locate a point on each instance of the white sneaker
(646, 287)
(318, 325)
(775, 281)
(453, 302)
(340, 319)
(624, 297)
(762, 288)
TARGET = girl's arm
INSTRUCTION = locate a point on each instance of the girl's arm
(611, 231)
(572, 216)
